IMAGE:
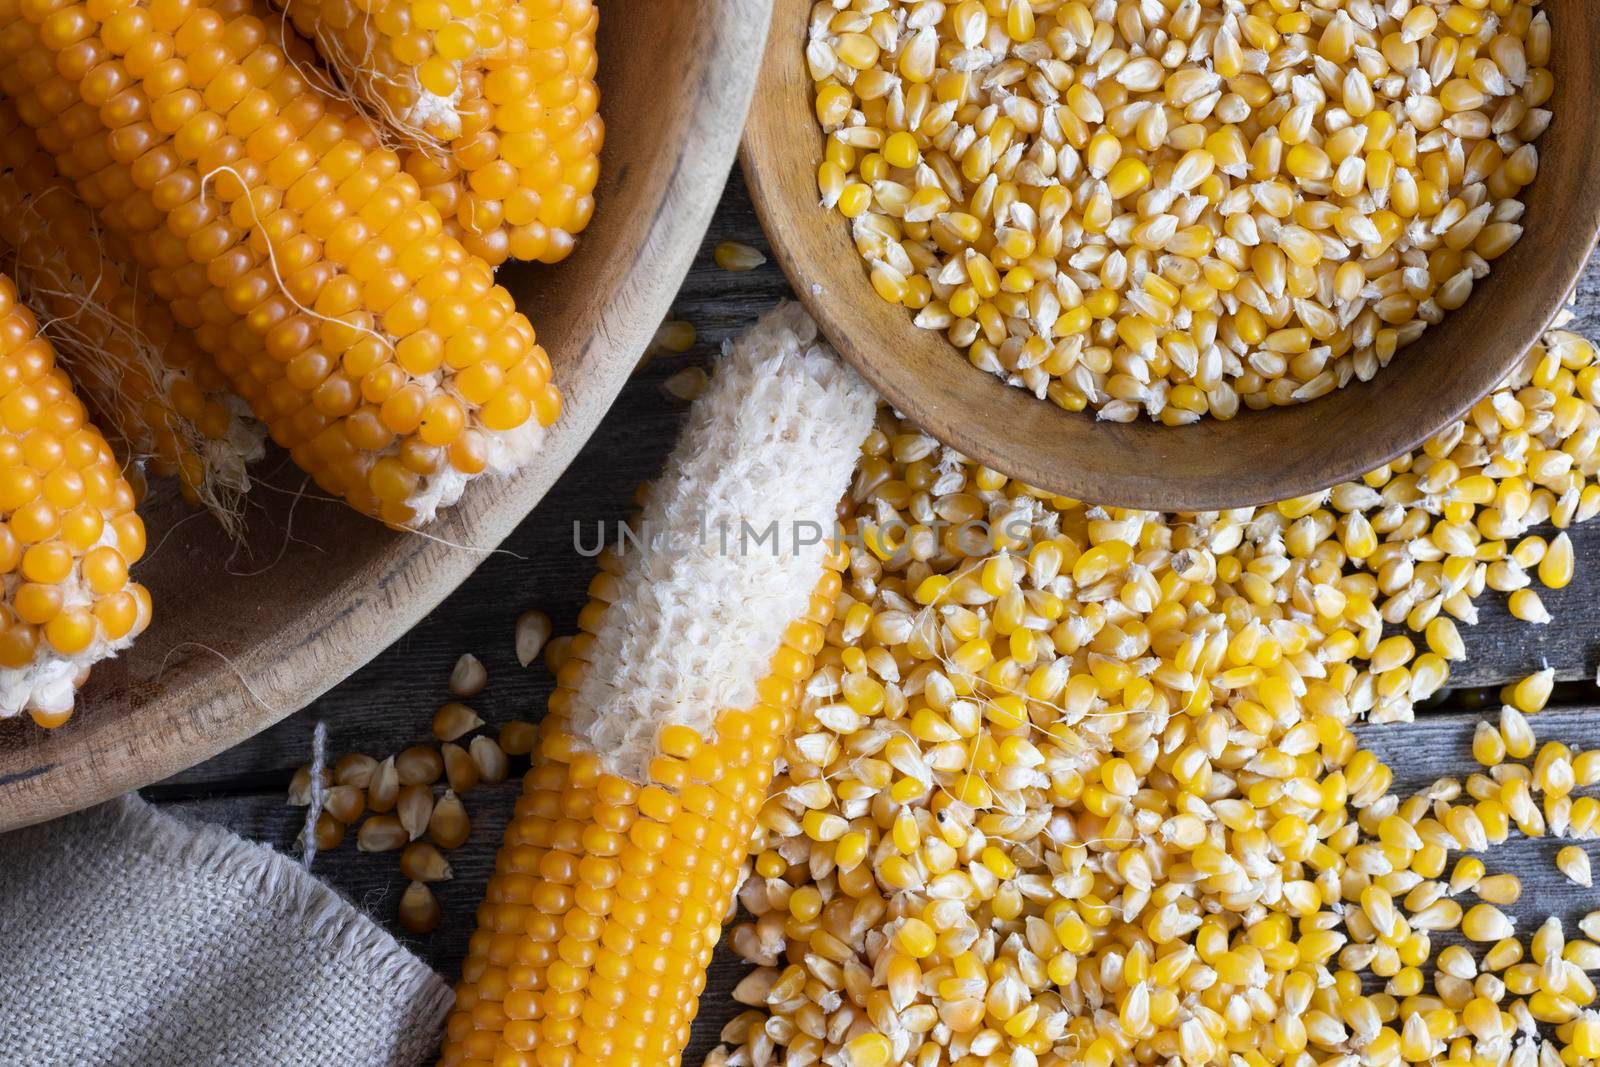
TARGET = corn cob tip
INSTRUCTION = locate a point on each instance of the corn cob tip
(69, 532)
(507, 452)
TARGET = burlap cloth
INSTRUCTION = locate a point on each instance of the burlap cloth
(134, 939)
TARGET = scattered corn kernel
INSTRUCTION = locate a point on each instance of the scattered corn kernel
(686, 384)
(419, 909)
(675, 336)
(733, 255)
(1573, 862)
(533, 630)
(467, 679)
(453, 721)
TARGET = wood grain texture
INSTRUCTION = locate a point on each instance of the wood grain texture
(1212, 464)
(241, 639)
(387, 704)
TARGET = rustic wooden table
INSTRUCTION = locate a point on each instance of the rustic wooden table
(387, 705)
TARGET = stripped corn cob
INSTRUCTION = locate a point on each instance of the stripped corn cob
(623, 856)
(374, 347)
(496, 100)
(68, 534)
(159, 391)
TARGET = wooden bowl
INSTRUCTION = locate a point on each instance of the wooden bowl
(1252, 459)
(242, 638)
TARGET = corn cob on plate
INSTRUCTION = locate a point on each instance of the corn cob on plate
(318, 589)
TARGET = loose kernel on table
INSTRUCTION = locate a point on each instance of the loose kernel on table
(414, 808)
(467, 679)
(1532, 693)
(1176, 208)
(459, 769)
(674, 336)
(489, 759)
(328, 832)
(419, 765)
(448, 825)
(686, 384)
(737, 256)
(345, 803)
(355, 769)
(1573, 862)
(383, 791)
(455, 720)
(381, 833)
(423, 862)
(533, 630)
(299, 793)
(419, 909)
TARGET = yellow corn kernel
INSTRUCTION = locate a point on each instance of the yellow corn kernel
(1485, 922)
(1573, 862)
(1499, 889)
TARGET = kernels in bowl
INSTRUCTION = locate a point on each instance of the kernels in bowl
(1179, 208)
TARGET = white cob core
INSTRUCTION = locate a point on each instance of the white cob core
(509, 451)
(702, 606)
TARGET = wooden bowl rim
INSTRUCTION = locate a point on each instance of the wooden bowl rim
(204, 712)
(941, 392)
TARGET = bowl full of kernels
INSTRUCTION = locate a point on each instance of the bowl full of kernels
(1181, 256)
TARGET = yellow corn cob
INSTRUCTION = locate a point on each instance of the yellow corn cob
(68, 531)
(624, 852)
(373, 346)
(608, 895)
(495, 99)
(159, 391)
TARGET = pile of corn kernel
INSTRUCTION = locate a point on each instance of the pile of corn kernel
(1173, 206)
(411, 802)
(1077, 785)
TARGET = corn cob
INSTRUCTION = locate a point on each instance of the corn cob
(68, 535)
(156, 387)
(495, 100)
(623, 855)
(374, 347)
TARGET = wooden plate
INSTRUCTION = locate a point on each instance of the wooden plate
(244, 637)
(1252, 459)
